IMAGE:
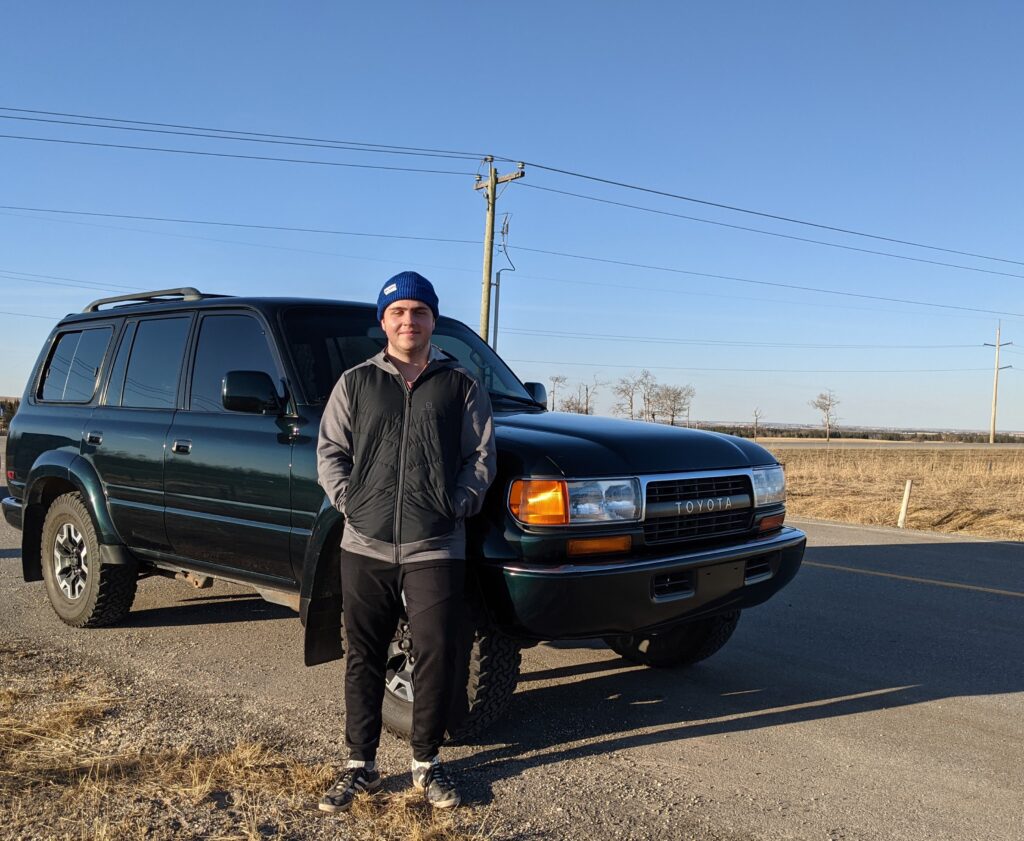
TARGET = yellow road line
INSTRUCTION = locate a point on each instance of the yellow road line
(917, 580)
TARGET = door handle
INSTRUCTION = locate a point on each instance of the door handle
(182, 447)
(94, 438)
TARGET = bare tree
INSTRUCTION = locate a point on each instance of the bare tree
(626, 389)
(826, 403)
(573, 403)
(578, 403)
(758, 414)
(672, 401)
(582, 402)
(556, 381)
(647, 384)
(590, 393)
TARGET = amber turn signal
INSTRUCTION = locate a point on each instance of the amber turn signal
(599, 545)
(773, 522)
(539, 502)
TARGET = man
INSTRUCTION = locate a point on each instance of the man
(406, 453)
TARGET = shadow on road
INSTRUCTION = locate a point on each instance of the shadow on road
(208, 610)
(861, 628)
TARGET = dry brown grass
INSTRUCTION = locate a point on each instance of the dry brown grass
(974, 492)
(56, 784)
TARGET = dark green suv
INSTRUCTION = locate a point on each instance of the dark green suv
(174, 433)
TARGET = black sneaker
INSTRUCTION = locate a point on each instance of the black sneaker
(438, 786)
(339, 797)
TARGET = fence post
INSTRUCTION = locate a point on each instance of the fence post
(906, 504)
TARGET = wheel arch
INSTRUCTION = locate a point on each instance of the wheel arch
(55, 474)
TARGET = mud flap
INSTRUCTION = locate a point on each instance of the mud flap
(323, 629)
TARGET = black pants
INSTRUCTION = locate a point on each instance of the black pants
(372, 601)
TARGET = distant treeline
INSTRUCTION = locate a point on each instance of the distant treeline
(746, 431)
(8, 406)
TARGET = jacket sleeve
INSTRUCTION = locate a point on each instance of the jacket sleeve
(334, 448)
(479, 454)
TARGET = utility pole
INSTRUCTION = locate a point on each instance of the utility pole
(490, 187)
(995, 382)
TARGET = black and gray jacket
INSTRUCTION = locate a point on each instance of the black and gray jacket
(407, 466)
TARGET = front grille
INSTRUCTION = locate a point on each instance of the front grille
(692, 509)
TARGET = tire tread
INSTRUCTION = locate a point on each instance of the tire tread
(116, 584)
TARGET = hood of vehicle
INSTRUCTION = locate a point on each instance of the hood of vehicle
(584, 445)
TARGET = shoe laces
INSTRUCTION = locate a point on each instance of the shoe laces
(437, 773)
(349, 778)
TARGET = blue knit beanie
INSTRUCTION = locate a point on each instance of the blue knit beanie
(406, 286)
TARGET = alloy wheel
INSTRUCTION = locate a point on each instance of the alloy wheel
(70, 561)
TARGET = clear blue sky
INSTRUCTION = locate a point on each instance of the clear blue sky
(896, 119)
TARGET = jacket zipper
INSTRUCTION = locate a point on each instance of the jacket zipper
(406, 410)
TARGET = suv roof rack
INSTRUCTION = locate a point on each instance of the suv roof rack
(185, 293)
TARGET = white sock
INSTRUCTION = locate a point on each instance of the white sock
(417, 765)
(359, 763)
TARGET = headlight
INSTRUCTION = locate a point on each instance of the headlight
(603, 501)
(769, 486)
(547, 502)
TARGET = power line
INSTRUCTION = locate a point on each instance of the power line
(369, 146)
(57, 280)
(800, 288)
(764, 214)
(211, 134)
(60, 277)
(360, 146)
(233, 156)
(647, 267)
(754, 370)
(729, 343)
(257, 227)
(776, 233)
(30, 315)
(731, 297)
(291, 249)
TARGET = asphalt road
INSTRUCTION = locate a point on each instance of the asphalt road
(880, 696)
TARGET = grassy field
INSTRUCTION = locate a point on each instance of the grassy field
(975, 492)
(72, 767)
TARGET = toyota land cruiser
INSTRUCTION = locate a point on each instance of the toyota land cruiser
(174, 433)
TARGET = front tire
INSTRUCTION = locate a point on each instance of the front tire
(83, 592)
(682, 645)
(486, 673)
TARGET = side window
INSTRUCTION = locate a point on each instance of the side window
(70, 375)
(227, 343)
(151, 381)
(115, 384)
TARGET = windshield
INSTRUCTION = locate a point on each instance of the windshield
(326, 340)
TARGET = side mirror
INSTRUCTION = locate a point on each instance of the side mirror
(250, 391)
(538, 393)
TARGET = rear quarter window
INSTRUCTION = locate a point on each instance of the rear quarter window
(154, 363)
(71, 372)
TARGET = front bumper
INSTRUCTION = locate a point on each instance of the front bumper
(575, 601)
(12, 511)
